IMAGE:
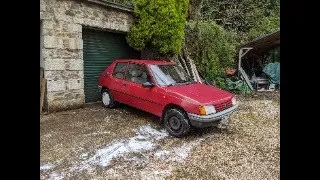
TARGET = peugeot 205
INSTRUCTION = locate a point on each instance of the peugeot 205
(164, 89)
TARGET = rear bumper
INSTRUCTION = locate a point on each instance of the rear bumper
(210, 120)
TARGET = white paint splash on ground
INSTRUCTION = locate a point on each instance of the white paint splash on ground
(154, 175)
(105, 155)
(47, 136)
(143, 141)
(55, 176)
(178, 154)
(143, 146)
(98, 133)
(46, 167)
(171, 157)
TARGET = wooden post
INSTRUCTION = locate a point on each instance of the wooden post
(242, 52)
(42, 92)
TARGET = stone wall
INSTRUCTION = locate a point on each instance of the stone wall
(41, 46)
(62, 49)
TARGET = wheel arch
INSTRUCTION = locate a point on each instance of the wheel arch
(170, 106)
(103, 88)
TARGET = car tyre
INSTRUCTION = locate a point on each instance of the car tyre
(107, 99)
(176, 122)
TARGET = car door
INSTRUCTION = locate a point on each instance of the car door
(144, 98)
(117, 86)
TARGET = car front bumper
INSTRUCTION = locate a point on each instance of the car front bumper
(212, 119)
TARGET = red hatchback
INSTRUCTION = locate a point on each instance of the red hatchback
(165, 90)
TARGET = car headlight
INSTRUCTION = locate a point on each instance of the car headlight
(234, 101)
(206, 110)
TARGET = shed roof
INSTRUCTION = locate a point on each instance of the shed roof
(145, 61)
(263, 43)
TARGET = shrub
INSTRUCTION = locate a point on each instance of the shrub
(211, 47)
(159, 25)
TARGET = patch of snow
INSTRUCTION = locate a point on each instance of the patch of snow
(152, 134)
(47, 136)
(143, 141)
(178, 154)
(133, 159)
(98, 133)
(144, 146)
(84, 156)
(107, 118)
(154, 175)
(162, 153)
(162, 172)
(46, 167)
(182, 152)
(103, 156)
(55, 176)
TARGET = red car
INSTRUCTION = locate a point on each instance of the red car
(165, 90)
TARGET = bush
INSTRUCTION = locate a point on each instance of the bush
(211, 47)
(237, 86)
(221, 83)
(264, 26)
(159, 25)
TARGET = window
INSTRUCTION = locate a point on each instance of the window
(120, 70)
(167, 75)
(137, 73)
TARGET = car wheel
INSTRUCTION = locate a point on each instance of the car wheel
(176, 122)
(107, 99)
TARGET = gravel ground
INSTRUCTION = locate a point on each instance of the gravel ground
(125, 143)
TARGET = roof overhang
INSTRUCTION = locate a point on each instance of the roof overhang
(263, 44)
(110, 4)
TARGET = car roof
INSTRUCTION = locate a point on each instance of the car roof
(145, 61)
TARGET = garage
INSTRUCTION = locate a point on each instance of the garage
(100, 49)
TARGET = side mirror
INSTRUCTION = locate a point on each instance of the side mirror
(147, 85)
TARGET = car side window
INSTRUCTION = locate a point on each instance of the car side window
(120, 70)
(138, 73)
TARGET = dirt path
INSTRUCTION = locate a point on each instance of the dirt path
(125, 143)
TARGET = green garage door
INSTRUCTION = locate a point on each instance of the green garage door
(100, 49)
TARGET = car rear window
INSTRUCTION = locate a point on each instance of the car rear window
(120, 70)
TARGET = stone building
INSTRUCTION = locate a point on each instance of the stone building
(78, 39)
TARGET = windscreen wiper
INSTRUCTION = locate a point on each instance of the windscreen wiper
(171, 84)
(187, 82)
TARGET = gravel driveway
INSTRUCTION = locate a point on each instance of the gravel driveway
(125, 143)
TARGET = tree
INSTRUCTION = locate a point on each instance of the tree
(239, 16)
(159, 25)
(265, 25)
(194, 11)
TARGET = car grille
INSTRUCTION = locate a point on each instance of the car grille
(223, 106)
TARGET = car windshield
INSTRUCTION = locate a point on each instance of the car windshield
(169, 75)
